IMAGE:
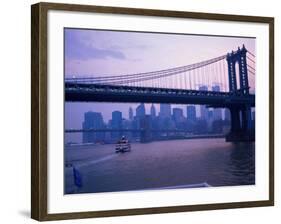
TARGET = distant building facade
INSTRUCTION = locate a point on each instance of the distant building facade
(116, 123)
(226, 114)
(165, 110)
(140, 111)
(93, 120)
(131, 114)
(178, 115)
(152, 111)
(191, 113)
(217, 111)
(203, 109)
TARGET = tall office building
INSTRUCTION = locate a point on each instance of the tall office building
(210, 120)
(217, 111)
(226, 114)
(140, 114)
(93, 120)
(165, 110)
(178, 115)
(116, 123)
(140, 111)
(191, 113)
(203, 109)
(152, 111)
(146, 125)
(131, 114)
(216, 88)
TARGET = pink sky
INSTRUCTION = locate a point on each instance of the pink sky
(94, 52)
(101, 53)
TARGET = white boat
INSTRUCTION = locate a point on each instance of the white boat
(123, 145)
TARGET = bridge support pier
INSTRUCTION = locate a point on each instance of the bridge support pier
(246, 118)
(241, 130)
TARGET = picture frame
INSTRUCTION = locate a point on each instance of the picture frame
(41, 158)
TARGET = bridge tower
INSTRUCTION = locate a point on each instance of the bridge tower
(238, 57)
(240, 114)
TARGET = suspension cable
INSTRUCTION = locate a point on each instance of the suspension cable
(147, 74)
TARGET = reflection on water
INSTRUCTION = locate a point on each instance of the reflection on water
(160, 164)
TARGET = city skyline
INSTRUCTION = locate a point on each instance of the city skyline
(95, 53)
(167, 118)
(204, 87)
(78, 109)
(124, 108)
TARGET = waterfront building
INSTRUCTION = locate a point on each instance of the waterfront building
(165, 110)
(217, 111)
(191, 113)
(178, 115)
(140, 111)
(203, 109)
(93, 120)
(116, 123)
(152, 111)
(226, 114)
(131, 114)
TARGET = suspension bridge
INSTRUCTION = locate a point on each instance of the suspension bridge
(226, 81)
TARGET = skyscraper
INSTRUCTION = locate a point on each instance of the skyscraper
(226, 114)
(217, 111)
(131, 114)
(203, 88)
(140, 111)
(145, 125)
(116, 119)
(93, 120)
(116, 123)
(165, 110)
(210, 120)
(203, 109)
(216, 88)
(152, 111)
(191, 113)
(178, 115)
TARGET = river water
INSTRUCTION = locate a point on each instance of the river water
(162, 164)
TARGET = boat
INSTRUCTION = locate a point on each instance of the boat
(123, 145)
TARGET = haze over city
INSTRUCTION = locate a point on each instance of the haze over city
(95, 53)
(186, 138)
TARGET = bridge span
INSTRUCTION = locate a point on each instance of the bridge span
(80, 92)
(179, 85)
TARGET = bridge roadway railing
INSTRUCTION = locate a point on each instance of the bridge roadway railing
(128, 89)
(86, 92)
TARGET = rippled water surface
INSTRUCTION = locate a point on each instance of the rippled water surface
(160, 164)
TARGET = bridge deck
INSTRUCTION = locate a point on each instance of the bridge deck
(81, 92)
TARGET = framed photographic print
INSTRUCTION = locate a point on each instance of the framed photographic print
(139, 111)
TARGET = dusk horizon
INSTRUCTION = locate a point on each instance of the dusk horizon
(98, 53)
(157, 111)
